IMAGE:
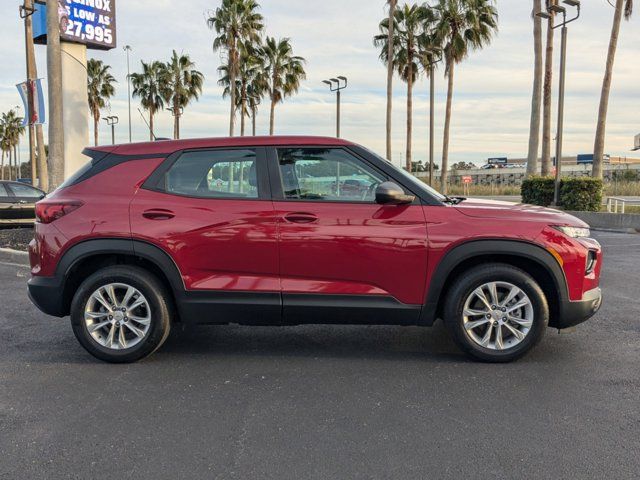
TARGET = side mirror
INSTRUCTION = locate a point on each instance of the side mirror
(388, 193)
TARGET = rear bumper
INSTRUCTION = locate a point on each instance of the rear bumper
(46, 294)
(573, 313)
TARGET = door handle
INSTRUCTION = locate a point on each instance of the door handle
(158, 214)
(300, 217)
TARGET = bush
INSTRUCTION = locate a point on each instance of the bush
(581, 194)
(538, 191)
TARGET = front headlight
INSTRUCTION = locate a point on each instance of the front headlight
(573, 232)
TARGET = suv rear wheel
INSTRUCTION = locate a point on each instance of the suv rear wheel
(121, 314)
(496, 313)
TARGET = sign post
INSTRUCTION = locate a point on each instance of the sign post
(83, 25)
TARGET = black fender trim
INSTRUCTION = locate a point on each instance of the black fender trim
(477, 248)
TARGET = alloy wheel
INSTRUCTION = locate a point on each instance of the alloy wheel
(498, 315)
(117, 316)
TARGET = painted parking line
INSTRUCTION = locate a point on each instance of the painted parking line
(8, 264)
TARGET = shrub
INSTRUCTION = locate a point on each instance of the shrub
(581, 194)
(538, 191)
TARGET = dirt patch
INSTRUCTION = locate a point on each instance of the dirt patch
(16, 238)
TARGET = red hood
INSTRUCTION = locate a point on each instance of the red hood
(481, 208)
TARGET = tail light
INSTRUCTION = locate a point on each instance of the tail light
(49, 211)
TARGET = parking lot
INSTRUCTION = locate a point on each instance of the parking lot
(320, 402)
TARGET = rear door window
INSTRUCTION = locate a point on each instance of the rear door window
(214, 174)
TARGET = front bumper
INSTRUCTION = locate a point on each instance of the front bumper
(573, 313)
(46, 293)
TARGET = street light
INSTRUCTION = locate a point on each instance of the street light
(127, 48)
(112, 121)
(336, 85)
(553, 8)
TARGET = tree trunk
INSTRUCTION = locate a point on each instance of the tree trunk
(253, 120)
(176, 128)
(598, 148)
(447, 126)
(273, 114)
(152, 137)
(54, 74)
(392, 8)
(232, 89)
(546, 107)
(243, 108)
(10, 165)
(534, 127)
(16, 163)
(96, 122)
(2, 167)
(409, 158)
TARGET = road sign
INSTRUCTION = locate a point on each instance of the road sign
(467, 180)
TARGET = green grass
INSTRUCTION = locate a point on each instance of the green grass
(622, 189)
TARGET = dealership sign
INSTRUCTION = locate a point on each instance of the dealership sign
(89, 22)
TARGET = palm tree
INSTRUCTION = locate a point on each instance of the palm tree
(534, 127)
(598, 148)
(283, 70)
(412, 25)
(11, 129)
(147, 86)
(235, 22)
(181, 83)
(249, 84)
(390, 69)
(100, 89)
(463, 25)
(546, 97)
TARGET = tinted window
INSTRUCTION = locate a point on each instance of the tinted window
(25, 191)
(326, 175)
(214, 174)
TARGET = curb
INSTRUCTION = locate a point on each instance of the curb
(632, 231)
(14, 256)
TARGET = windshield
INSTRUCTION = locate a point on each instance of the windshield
(413, 181)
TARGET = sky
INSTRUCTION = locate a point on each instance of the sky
(492, 91)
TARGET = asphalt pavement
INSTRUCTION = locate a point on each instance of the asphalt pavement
(324, 402)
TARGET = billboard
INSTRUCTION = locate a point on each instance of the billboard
(89, 22)
(498, 161)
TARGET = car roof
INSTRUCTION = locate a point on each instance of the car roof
(164, 147)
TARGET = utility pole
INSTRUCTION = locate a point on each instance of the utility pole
(26, 11)
(336, 85)
(127, 48)
(37, 154)
(54, 74)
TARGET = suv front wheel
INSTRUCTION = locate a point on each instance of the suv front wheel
(121, 314)
(496, 313)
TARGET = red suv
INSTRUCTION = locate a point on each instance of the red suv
(254, 231)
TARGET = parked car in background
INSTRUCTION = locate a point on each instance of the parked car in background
(141, 239)
(18, 203)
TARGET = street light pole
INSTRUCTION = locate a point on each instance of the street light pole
(127, 48)
(112, 121)
(336, 85)
(553, 8)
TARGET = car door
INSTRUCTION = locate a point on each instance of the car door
(343, 257)
(25, 198)
(7, 201)
(211, 211)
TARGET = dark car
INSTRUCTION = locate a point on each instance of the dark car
(18, 203)
(145, 237)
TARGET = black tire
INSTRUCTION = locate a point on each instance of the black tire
(161, 312)
(464, 286)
